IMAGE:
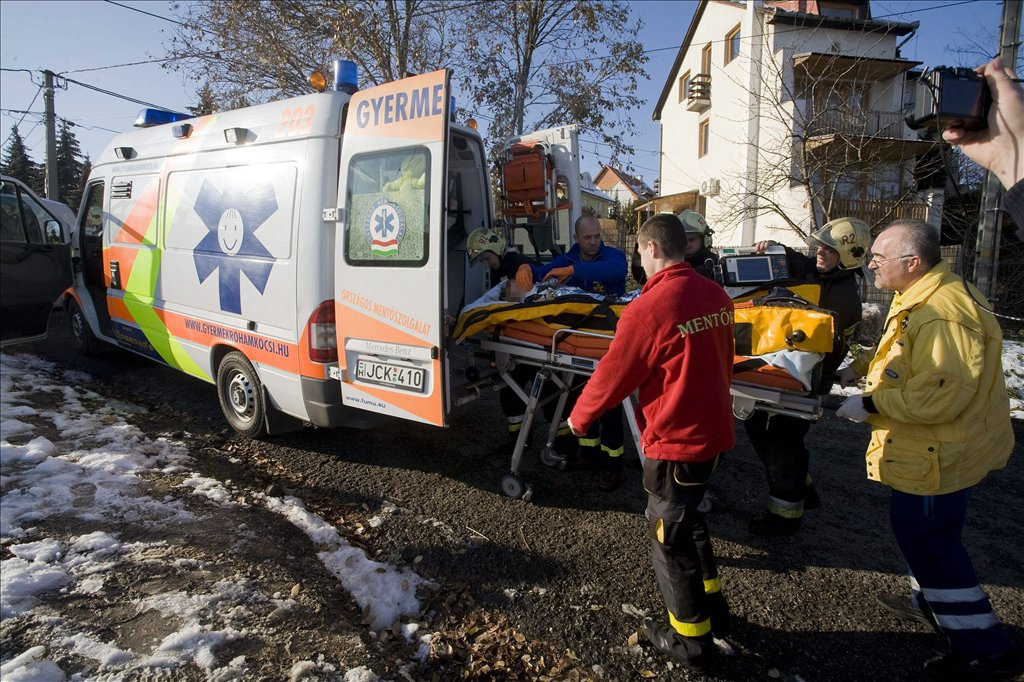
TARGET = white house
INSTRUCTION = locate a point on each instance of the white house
(779, 115)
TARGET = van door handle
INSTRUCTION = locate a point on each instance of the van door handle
(115, 274)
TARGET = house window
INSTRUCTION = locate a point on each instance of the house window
(839, 10)
(703, 137)
(732, 44)
(684, 86)
(705, 59)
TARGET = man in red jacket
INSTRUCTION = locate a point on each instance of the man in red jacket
(674, 343)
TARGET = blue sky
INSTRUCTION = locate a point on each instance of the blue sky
(79, 38)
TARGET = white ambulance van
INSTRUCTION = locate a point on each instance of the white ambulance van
(307, 256)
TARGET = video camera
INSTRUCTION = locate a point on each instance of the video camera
(950, 97)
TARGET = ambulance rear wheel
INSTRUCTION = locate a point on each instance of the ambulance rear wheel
(241, 395)
(85, 341)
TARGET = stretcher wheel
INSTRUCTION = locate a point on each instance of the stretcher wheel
(742, 408)
(513, 487)
(550, 457)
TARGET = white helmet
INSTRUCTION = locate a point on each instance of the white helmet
(482, 239)
(848, 236)
(694, 223)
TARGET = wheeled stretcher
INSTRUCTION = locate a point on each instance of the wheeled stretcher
(564, 332)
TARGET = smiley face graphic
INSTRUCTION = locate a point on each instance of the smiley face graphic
(230, 231)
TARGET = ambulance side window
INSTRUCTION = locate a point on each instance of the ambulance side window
(388, 208)
(92, 221)
(11, 229)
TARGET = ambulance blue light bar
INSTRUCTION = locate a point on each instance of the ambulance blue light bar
(346, 76)
(148, 118)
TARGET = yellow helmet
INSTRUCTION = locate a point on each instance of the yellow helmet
(483, 239)
(694, 223)
(849, 236)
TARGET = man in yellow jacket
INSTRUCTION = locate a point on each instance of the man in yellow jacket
(940, 421)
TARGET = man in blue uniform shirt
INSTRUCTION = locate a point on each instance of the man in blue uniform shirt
(589, 264)
(595, 267)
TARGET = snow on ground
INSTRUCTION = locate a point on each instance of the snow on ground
(1013, 371)
(98, 470)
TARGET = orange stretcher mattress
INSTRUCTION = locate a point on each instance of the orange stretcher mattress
(751, 370)
(533, 331)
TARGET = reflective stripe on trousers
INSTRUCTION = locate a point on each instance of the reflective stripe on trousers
(927, 529)
(681, 551)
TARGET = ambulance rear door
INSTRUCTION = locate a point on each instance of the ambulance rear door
(390, 257)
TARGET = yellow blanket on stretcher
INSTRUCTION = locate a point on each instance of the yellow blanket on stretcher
(580, 312)
(767, 320)
(783, 316)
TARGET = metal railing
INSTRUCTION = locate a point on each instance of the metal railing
(877, 212)
(886, 124)
(698, 96)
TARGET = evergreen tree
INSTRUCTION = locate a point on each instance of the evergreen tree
(69, 168)
(206, 102)
(18, 164)
(86, 170)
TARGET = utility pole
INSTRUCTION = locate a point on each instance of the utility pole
(52, 184)
(986, 260)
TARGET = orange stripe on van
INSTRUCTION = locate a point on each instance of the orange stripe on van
(427, 408)
(258, 348)
(307, 367)
(138, 222)
(360, 325)
(118, 310)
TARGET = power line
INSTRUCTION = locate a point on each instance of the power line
(762, 35)
(118, 95)
(147, 61)
(34, 97)
(148, 14)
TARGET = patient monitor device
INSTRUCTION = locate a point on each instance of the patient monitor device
(743, 267)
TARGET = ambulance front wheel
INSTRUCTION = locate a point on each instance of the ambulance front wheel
(241, 395)
(85, 341)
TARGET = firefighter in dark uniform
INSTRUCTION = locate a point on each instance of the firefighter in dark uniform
(779, 439)
(698, 248)
(488, 247)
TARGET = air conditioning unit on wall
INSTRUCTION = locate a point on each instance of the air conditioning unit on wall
(709, 187)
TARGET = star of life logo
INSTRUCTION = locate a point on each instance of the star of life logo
(231, 248)
(385, 227)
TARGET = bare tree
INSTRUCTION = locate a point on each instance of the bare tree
(249, 52)
(824, 145)
(542, 63)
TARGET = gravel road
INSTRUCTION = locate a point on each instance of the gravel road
(557, 588)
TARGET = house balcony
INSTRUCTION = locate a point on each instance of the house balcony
(878, 212)
(698, 96)
(865, 136)
(882, 124)
(829, 66)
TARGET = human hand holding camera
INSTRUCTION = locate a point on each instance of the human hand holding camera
(1000, 146)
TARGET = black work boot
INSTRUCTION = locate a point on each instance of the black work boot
(773, 525)
(611, 479)
(721, 619)
(695, 653)
(957, 666)
(811, 498)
